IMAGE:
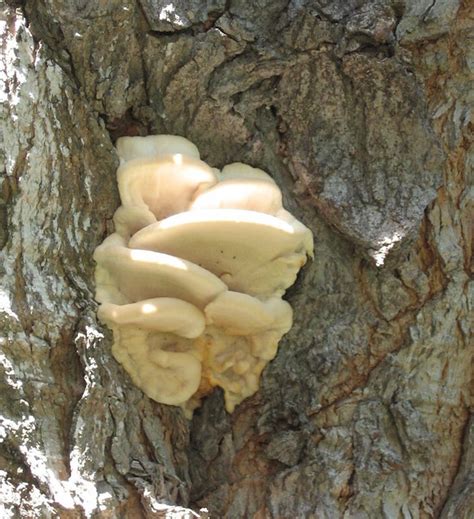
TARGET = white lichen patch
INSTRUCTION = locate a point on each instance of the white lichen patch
(192, 279)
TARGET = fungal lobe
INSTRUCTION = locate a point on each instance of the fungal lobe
(191, 280)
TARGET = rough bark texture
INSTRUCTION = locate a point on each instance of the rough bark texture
(362, 112)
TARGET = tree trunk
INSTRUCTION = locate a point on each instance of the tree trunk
(360, 110)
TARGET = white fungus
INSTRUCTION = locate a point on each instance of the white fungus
(191, 281)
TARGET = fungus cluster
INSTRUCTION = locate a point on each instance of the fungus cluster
(191, 280)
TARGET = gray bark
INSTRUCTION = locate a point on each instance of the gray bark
(362, 112)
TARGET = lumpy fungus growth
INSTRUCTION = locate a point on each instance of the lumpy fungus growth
(191, 280)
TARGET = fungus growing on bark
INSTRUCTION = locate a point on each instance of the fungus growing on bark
(251, 252)
(163, 184)
(144, 274)
(192, 279)
(161, 314)
(241, 314)
(251, 194)
(129, 148)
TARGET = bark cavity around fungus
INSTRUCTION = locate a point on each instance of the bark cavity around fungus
(192, 279)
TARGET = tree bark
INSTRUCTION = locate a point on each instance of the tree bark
(362, 112)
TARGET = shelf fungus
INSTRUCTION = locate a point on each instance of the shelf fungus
(192, 279)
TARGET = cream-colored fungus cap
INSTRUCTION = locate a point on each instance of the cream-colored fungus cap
(129, 148)
(241, 314)
(241, 193)
(129, 220)
(168, 377)
(165, 184)
(191, 281)
(265, 345)
(236, 245)
(143, 274)
(287, 217)
(180, 378)
(232, 366)
(238, 170)
(162, 314)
